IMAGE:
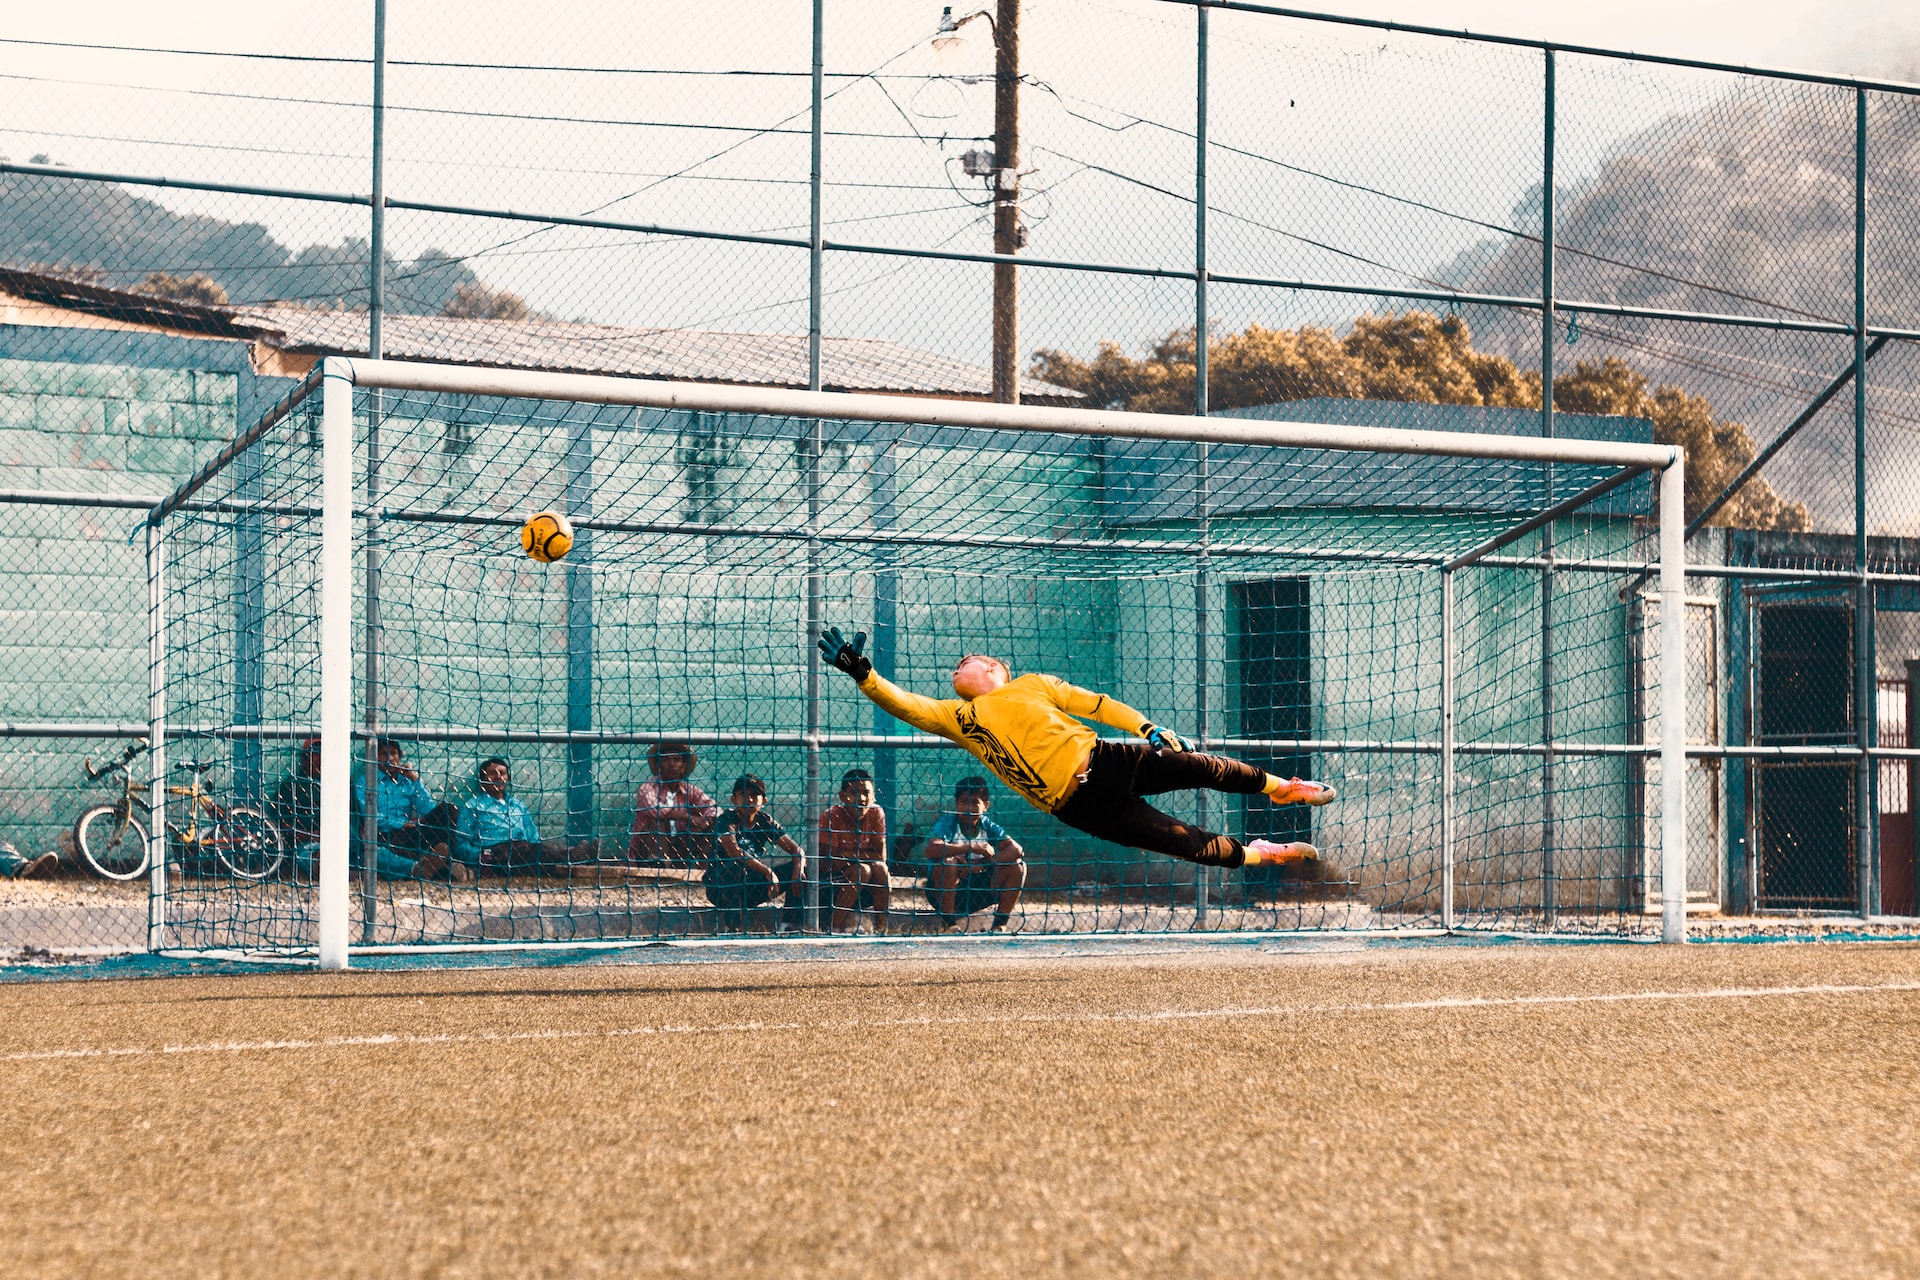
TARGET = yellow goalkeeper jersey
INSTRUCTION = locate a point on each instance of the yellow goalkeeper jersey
(1024, 731)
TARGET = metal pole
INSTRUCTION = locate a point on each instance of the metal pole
(1200, 225)
(1673, 703)
(1549, 870)
(1866, 856)
(1202, 498)
(886, 614)
(1006, 202)
(376, 309)
(1201, 728)
(814, 190)
(582, 796)
(157, 737)
(336, 658)
(816, 873)
(1446, 748)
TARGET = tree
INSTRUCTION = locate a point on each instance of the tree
(1717, 450)
(479, 301)
(200, 289)
(1418, 357)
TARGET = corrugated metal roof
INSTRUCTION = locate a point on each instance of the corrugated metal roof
(691, 355)
(682, 355)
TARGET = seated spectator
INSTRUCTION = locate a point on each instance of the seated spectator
(853, 845)
(295, 809)
(412, 826)
(296, 803)
(742, 878)
(672, 818)
(972, 861)
(496, 833)
(16, 865)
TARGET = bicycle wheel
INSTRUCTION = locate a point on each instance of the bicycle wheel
(112, 850)
(246, 842)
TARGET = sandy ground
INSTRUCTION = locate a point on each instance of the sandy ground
(1563, 1110)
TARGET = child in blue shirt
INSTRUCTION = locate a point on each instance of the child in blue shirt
(972, 861)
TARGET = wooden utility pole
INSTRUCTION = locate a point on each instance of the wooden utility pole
(1006, 202)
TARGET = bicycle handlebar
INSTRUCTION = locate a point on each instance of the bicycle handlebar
(126, 758)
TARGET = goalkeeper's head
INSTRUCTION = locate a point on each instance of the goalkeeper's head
(978, 674)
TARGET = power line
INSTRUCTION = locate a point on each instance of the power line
(754, 130)
(1422, 205)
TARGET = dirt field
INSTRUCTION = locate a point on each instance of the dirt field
(1561, 1110)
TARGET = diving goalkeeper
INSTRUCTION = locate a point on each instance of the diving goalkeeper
(1026, 731)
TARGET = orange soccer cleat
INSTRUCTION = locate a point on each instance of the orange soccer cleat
(1271, 853)
(1297, 791)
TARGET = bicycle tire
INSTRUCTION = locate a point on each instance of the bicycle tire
(107, 849)
(246, 842)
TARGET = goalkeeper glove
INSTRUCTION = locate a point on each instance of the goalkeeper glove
(847, 657)
(1162, 739)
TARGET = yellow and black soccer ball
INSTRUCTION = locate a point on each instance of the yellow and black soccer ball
(546, 536)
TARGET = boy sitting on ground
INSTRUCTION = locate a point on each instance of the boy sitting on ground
(742, 878)
(972, 860)
(853, 844)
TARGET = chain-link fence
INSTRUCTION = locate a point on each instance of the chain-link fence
(1165, 206)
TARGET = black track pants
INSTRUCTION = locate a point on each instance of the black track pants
(1108, 803)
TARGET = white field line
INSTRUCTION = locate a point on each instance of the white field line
(1152, 1015)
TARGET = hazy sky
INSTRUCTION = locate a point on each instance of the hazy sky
(1860, 37)
(1319, 115)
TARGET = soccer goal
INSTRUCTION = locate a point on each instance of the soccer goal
(1449, 627)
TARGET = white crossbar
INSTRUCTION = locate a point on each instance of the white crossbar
(706, 397)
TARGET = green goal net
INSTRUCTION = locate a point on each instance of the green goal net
(554, 747)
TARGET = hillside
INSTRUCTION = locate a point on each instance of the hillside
(109, 234)
(1745, 207)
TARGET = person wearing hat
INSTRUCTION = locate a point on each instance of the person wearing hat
(672, 818)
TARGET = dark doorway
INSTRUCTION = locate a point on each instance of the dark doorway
(1274, 620)
(1806, 810)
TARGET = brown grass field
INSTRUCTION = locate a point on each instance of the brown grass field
(1342, 1110)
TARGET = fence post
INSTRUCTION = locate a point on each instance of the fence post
(336, 656)
(1549, 869)
(376, 310)
(816, 873)
(1446, 748)
(1865, 702)
(157, 736)
(1673, 702)
(1201, 497)
(582, 794)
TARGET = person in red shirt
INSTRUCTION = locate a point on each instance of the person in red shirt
(672, 818)
(853, 844)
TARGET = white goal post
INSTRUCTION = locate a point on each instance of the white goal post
(340, 376)
(1329, 534)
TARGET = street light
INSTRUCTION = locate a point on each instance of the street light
(949, 46)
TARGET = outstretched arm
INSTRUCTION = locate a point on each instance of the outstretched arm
(926, 714)
(929, 715)
(1113, 713)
